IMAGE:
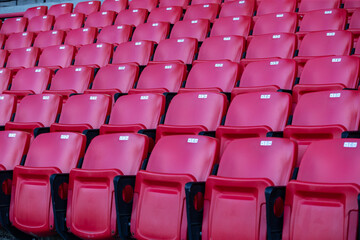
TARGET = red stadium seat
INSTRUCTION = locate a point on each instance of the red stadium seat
(69, 21)
(3, 57)
(313, 120)
(50, 153)
(357, 49)
(172, 3)
(194, 2)
(323, 198)
(5, 78)
(309, 5)
(254, 115)
(13, 25)
(2, 40)
(275, 23)
(59, 9)
(132, 17)
(134, 112)
(145, 4)
(35, 11)
(328, 73)
(165, 14)
(180, 49)
(87, 7)
(351, 5)
(23, 58)
(113, 79)
(19, 40)
(138, 52)
(115, 34)
(81, 36)
(218, 76)
(100, 19)
(35, 111)
(197, 29)
(202, 11)
(276, 6)
(192, 113)
(222, 48)
(151, 32)
(160, 78)
(246, 169)
(7, 108)
(40, 23)
(354, 25)
(94, 55)
(55, 57)
(238, 26)
(237, 8)
(114, 5)
(83, 112)
(49, 38)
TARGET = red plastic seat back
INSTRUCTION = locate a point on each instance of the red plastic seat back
(81, 36)
(180, 49)
(89, 109)
(60, 9)
(14, 145)
(326, 43)
(309, 5)
(202, 11)
(239, 26)
(100, 19)
(13, 25)
(276, 23)
(351, 4)
(23, 58)
(35, 11)
(87, 7)
(2, 40)
(237, 8)
(49, 38)
(133, 17)
(276, 6)
(3, 57)
(194, 2)
(165, 14)
(222, 48)
(170, 3)
(138, 52)
(19, 40)
(114, 34)
(197, 108)
(324, 20)
(74, 78)
(280, 73)
(57, 56)
(151, 32)
(280, 45)
(40, 23)
(33, 79)
(69, 21)
(145, 109)
(145, 4)
(5, 77)
(7, 107)
(97, 54)
(191, 29)
(355, 20)
(114, 5)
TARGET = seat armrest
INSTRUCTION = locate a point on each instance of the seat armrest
(274, 222)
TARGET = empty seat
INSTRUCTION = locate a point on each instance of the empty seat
(113, 79)
(192, 113)
(23, 58)
(19, 40)
(71, 80)
(132, 17)
(13, 25)
(40, 23)
(309, 5)
(254, 115)
(30, 81)
(14, 147)
(197, 29)
(35, 11)
(151, 32)
(87, 7)
(115, 34)
(357, 49)
(49, 38)
(323, 198)
(3, 57)
(81, 36)
(59, 9)
(280, 45)
(317, 44)
(351, 5)
(94, 55)
(165, 14)
(69, 21)
(100, 19)
(145, 4)
(107, 156)
(194, 2)
(328, 73)
(171, 3)
(246, 169)
(275, 23)
(276, 6)
(50, 153)
(55, 57)
(114, 5)
(323, 20)
(267, 75)
(161, 77)
(180, 49)
(222, 48)
(219, 76)
(354, 25)
(175, 161)
(134, 112)
(138, 52)
(237, 8)
(202, 11)
(5, 77)
(226, 26)
(7, 108)
(313, 120)
(35, 111)
(83, 112)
